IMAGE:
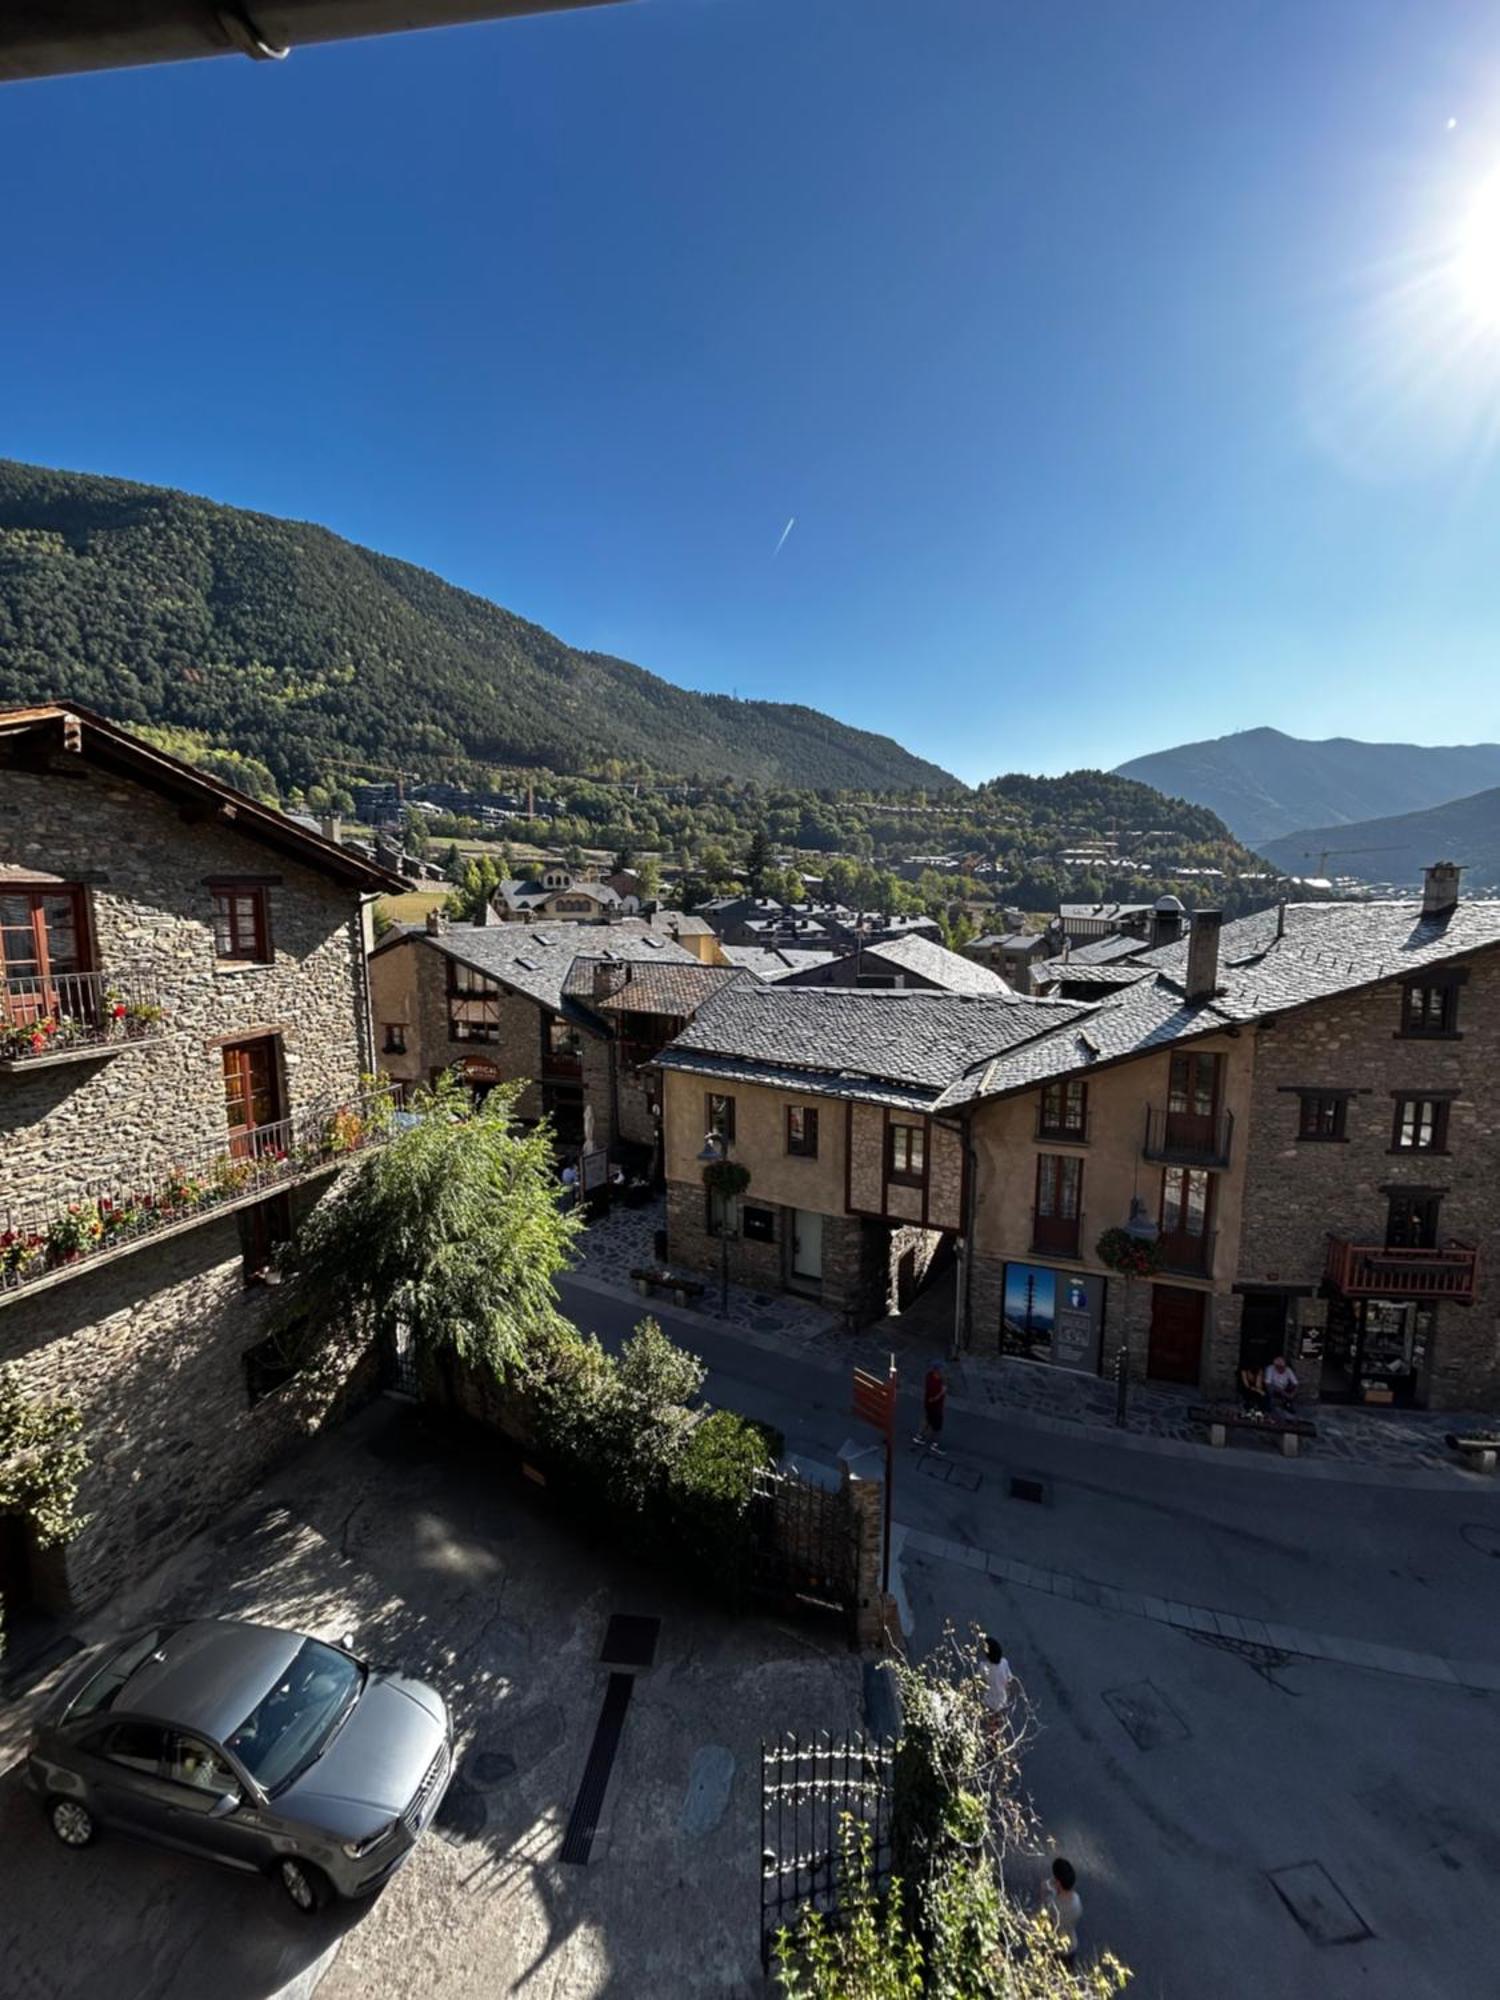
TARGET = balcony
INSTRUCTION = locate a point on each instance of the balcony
(1371, 1271)
(1186, 1256)
(1188, 1139)
(42, 1244)
(76, 1017)
(1056, 1235)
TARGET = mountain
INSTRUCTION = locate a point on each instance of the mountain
(1399, 846)
(283, 642)
(1263, 784)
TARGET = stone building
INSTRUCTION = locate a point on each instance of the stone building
(496, 1004)
(830, 1098)
(184, 1057)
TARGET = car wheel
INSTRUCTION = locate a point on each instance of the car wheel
(72, 1822)
(307, 1886)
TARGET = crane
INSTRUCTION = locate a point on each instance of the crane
(1327, 854)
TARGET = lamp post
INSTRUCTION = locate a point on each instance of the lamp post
(715, 1152)
(1140, 1228)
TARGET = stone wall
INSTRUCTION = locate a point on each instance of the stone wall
(409, 983)
(151, 1349)
(1300, 1191)
(109, 1120)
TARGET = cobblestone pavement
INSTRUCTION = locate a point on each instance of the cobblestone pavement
(1409, 1439)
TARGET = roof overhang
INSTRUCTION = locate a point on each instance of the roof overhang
(41, 40)
(36, 737)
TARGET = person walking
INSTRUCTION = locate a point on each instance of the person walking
(934, 1405)
(998, 1680)
(1062, 1902)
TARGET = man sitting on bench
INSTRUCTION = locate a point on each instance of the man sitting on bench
(1281, 1388)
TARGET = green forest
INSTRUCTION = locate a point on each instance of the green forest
(297, 649)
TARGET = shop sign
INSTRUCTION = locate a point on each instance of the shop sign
(1053, 1316)
(479, 1069)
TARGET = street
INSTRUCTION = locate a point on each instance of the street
(1239, 1816)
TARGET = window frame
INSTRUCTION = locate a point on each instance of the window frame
(1438, 1105)
(38, 895)
(1056, 1171)
(470, 987)
(242, 1057)
(1064, 1128)
(1416, 1026)
(913, 1141)
(1311, 1104)
(720, 1122)
(394, 1033)
(803, 1145)
(230, 948)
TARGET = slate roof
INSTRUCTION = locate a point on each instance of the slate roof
(1105, 950)
(876, 1044)
(1057, 972)
(535, 959)
(1100, 912)
(526, 894)
(925, 958)
(1323, 949)
(773, 962)
(652, 987)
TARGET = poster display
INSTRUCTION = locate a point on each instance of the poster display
(1052, 1316)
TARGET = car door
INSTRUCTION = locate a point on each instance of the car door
(121, 1764)
(197, 1779)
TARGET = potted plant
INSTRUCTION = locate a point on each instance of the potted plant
(76, 1230)
(1130, 1256)
(20, 1252)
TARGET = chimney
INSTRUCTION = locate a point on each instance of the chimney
(1203, 954)
(1440, 889)
(333, 829)
(1166, 921)
(436, 923)
(610, 976)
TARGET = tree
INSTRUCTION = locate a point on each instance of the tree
(648, 873)
(758, 859)
(451, 1230)
(477, 886)
(42, 1460)
(624, 861)
(453, 864)
(414, 833)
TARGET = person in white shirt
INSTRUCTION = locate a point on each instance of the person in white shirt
(998, 1680)
(1060, 1898)
(1281, 1386)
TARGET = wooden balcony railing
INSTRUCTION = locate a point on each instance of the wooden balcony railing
(69, 1016)
(1185, 1139)
(1370, 1270)
(1185, 1255)
(41, 1241)
(1056, 1235)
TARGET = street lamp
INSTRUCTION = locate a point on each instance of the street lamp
(715, 1153)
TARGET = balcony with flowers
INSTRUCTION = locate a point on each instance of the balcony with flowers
(43, 1244)
(76, 1017)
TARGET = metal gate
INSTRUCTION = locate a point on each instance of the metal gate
(402, 1375)
(807, 1541)
(808, 1786)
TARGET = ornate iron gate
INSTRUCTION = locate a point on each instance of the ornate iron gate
(807, 1541)
(402, 1376)
(808, 1786)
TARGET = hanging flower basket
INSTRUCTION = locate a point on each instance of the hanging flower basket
(1118, 1250)
(727, 1179)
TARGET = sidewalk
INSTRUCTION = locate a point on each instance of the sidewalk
(1023, 1391)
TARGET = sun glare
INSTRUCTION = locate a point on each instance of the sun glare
(1477, 260)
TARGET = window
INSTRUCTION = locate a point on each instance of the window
(138, 1746)
(252, 1096)
(242, 925)
(1186, 1193)
(191, 1761)
(473, 1005)
(723, 1214)
(759, 1225)
(41, 937)
(1411, 1221)
(263, 1229)
(1430, 1009)
(394, 1033)
(561, 1047)
(1323, 1115)
(271, 1364)
(1059, 1204)
(1421, 1125)
(1193, 1090)
(802, 1131)
(1064, 1110)
(99, 1694)
(907, 1154)
(719, 1113)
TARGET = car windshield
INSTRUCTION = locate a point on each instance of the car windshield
(292, 1724)
(98, 1694)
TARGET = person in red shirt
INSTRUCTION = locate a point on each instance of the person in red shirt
(934, 1404)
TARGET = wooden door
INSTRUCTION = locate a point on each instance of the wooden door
(252, 1096)
(1176, 1350)
(1187, 1199)
(1193, 1101)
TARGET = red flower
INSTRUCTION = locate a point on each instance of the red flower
(117, 1012)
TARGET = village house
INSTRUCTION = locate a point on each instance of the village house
(558, 893)
(1294, 1111)
(497, 1004)
(185, 1057)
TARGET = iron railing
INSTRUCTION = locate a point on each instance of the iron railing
(1057, 1235)
(1371, 1270)
(809, 1786)
(1185, 1255)
(76, 1013)
(40, 1238)
(1184, 1139)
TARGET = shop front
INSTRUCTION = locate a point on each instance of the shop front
(1053, 1316)
(1375, 1352)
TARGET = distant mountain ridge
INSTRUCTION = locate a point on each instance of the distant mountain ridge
(1397, 847)
(288, 644)
(1264, 784)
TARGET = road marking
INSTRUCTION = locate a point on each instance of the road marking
(1476, 1675)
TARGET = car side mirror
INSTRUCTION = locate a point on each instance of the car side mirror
(224, 1805)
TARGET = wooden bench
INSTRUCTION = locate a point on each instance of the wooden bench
(656, 1280)
(1223, 1418)
(1483, 1453)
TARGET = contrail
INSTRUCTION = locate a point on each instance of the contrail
(784, 533)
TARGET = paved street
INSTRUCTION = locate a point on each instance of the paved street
(1187, 1770)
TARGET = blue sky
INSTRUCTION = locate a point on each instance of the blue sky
(1110, 356)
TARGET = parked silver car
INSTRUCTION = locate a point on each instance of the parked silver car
(258, 1748)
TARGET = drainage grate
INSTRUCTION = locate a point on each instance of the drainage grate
(1319, 1904)
(629, 1641)
(584, 1821)
(1027, 1489)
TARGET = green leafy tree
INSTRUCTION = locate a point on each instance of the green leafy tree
(414, 834)
(758, 860)
(451, 1229)
(42, 1460)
